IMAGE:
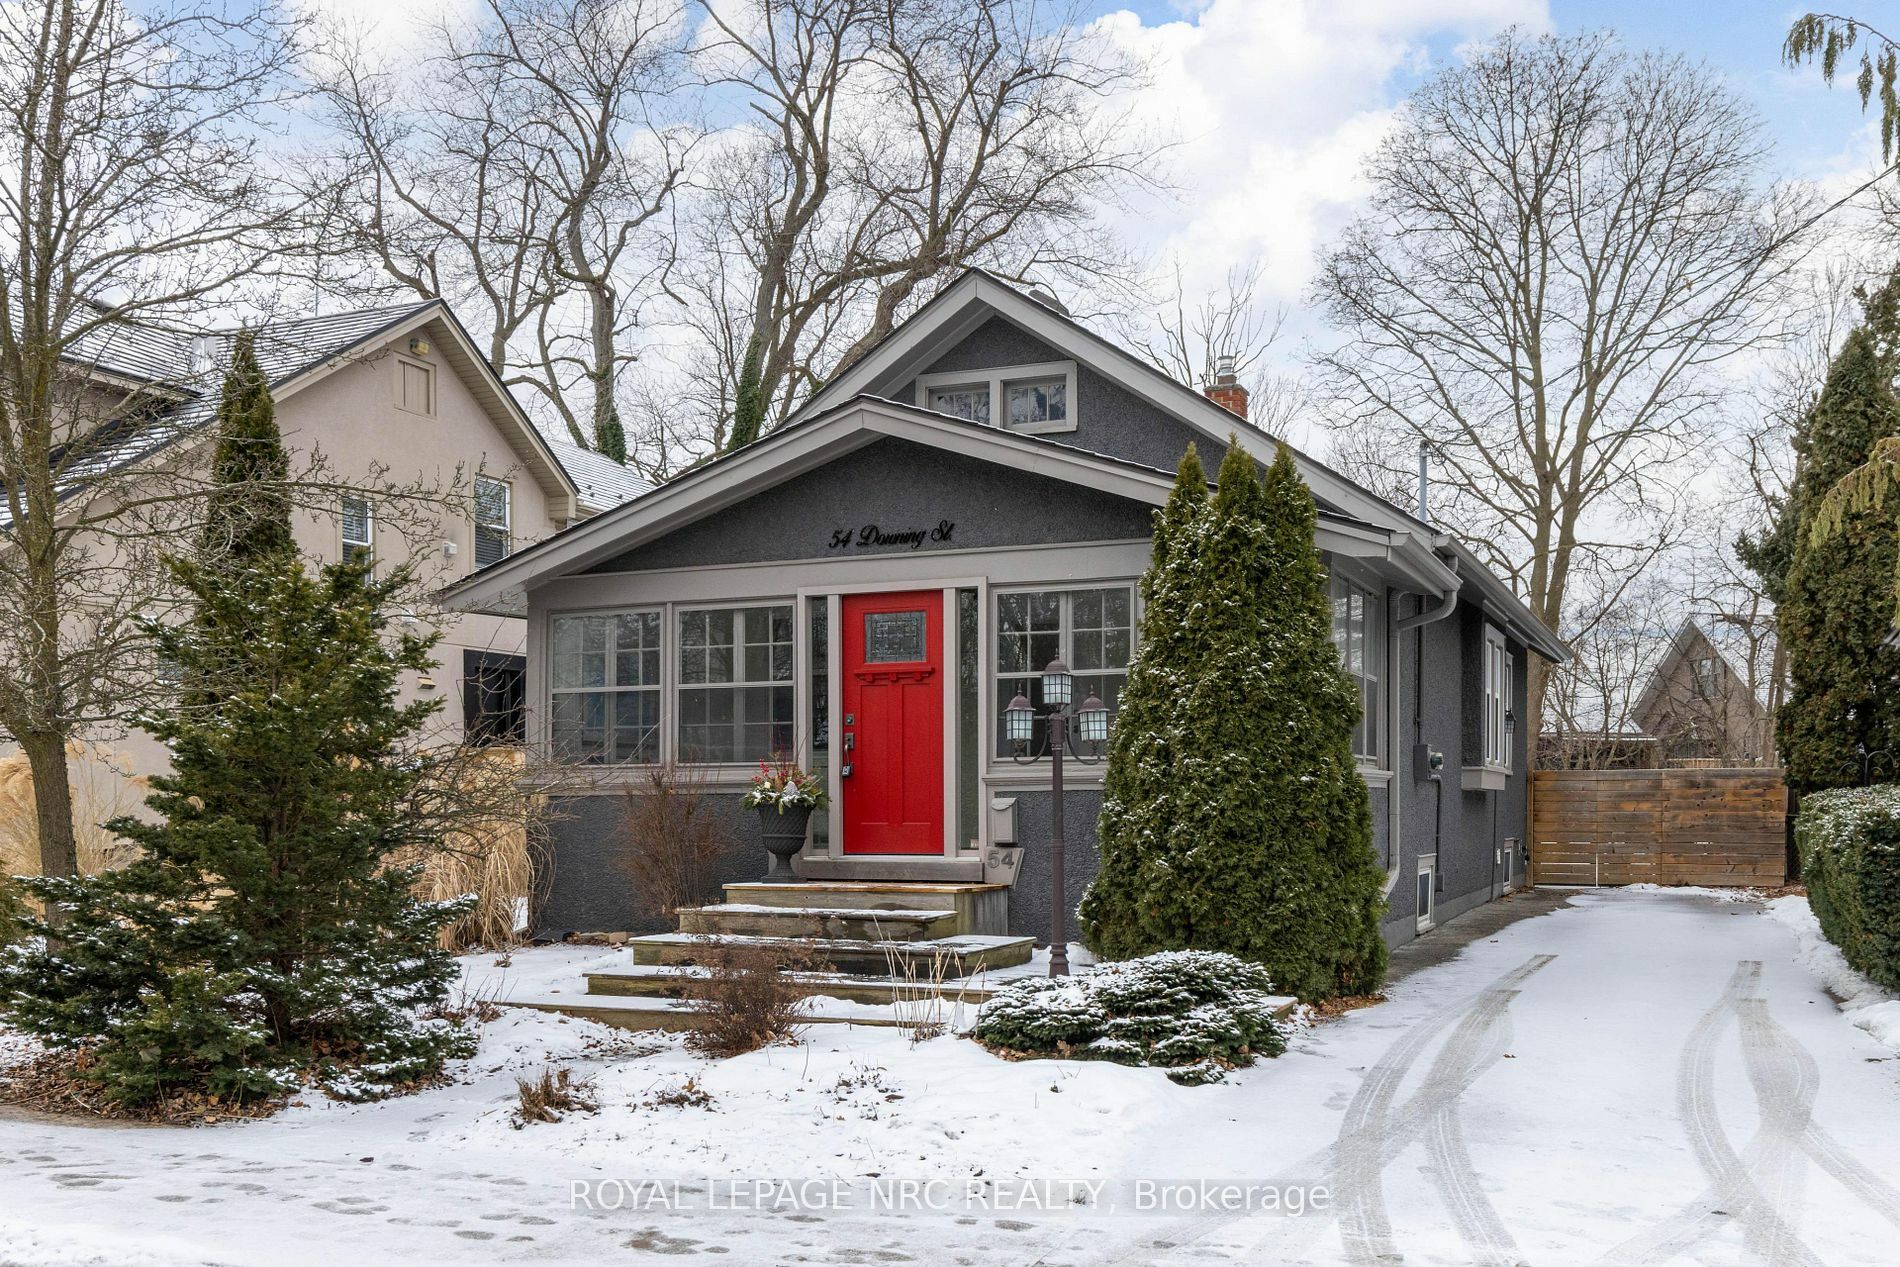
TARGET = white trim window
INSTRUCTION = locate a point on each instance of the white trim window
(357, 527)
(1091, 630)
(736, 697)
(1359, 634)
(605, 678)
(1031, 399)
(1499, 669)
(494, 520)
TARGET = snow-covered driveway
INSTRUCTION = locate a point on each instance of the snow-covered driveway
(1643, 1077)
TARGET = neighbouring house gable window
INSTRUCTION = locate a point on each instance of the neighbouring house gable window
(359, 528)
(1499, 668)
(415, 386)
(1359, 633)
(494, 515)
(735, 685)
(1706, 677)
(1091, 630)
(1034, 399)
(605, 679)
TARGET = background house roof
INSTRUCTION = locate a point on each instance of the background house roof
(603, 482)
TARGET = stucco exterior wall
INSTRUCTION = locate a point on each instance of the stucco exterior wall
(895, 487)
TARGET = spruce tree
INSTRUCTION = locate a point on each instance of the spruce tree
(248, 511)
(1235, 818)
(269, 931)
(1837, 602)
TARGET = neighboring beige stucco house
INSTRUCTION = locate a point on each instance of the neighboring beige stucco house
(398, 394)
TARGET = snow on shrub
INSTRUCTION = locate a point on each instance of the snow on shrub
(1850, 862)
(1197, 1013)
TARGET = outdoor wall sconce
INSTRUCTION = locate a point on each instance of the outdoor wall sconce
(1019, 726)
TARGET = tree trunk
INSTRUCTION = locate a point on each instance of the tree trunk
(53, 806)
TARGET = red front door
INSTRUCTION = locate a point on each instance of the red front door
(892, 760)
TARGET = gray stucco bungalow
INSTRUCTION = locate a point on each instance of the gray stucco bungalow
(968, 500)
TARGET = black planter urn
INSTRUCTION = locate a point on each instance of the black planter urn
(784, 833)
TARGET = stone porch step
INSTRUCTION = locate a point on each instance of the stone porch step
(749, 920)
(963, 955)
(657, 982)
(980, 908)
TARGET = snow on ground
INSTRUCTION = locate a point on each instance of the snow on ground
(1653, 1072)
(1868, 1005)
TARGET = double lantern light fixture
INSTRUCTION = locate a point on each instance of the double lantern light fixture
(1019, 726)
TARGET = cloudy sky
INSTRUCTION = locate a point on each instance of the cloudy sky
(1275, 102)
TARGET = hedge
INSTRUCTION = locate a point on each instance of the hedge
(1850, 861)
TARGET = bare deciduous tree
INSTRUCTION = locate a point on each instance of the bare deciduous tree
(1188, 341)
(893, 142)
(131, 195)
(529, 167)
(1565, 245)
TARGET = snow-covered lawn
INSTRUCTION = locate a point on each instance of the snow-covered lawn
(1656, 1071)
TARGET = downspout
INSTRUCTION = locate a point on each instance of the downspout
(1448, 603)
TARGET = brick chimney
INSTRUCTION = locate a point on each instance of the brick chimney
(1226, 390)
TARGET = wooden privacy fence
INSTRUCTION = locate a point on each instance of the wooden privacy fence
(1713, 827)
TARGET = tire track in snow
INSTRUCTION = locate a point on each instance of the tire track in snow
(1373, 1133)
(1760, 1186)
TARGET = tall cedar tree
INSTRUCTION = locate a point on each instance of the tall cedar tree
(1234, 817)
(264, 934)
(249, 512)
(1837, 602)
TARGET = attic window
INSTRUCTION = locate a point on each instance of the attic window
(1032, 399)
(969, 403)
(415, 386)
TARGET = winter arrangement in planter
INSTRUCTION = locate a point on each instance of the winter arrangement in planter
(785, 796)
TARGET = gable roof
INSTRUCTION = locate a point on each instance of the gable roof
(294, 354)
(818, 438)
(960, 308)
(1689, 637)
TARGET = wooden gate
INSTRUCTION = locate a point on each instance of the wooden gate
(1711, 827)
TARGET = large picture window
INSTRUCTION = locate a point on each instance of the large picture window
(606, 688)
(1359, 633)
(1092, 630)
(735, 685)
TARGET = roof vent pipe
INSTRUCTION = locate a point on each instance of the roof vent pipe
(1425, 481)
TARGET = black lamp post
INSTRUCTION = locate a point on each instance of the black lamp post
(1019, 724)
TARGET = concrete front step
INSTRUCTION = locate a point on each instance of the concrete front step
(980, 908)
(749, 920)
(657, 982)
(961, 955)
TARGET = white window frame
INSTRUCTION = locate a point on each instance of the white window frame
(672, 717)
(1499, 674)
(657, 687)
(991, 630)
(428, 375)
(998, 380)
(507, 524)
(1428, 872)
(1374, 657)
(368, 544)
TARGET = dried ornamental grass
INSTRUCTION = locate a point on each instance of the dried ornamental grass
(100, 793)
